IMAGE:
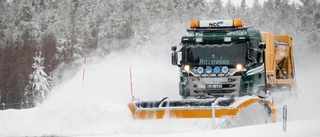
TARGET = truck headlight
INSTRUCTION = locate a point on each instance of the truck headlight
(239, 67)
(186, 68)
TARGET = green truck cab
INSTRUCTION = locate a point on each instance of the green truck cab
(220, 58)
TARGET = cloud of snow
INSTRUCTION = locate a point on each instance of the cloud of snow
(305, 104)
(99, 103)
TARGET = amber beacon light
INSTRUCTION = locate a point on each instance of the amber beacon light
(237, 23)
(194, 24)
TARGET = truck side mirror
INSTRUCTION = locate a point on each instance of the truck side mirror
(260, 52)
(174, 58)
(262, 45)
(173, 48)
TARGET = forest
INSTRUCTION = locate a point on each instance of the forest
(65, 31)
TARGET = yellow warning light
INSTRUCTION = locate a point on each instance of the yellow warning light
(194, 24)
(237, 23)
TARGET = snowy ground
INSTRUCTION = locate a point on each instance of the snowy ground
(97, 106)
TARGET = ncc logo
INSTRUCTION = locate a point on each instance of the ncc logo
(216, 24)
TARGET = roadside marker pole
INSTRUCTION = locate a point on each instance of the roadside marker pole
(285, 118)
(131, 90)
(213, 116)
(84, 68)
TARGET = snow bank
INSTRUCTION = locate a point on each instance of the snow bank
(301, 128)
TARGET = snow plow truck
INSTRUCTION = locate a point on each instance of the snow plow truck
(225, 66)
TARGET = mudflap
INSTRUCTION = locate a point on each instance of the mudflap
(201, 108)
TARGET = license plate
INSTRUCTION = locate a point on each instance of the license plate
(213, 86)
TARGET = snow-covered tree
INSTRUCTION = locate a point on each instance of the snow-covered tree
(68, 50)
(0, 94)
(216, 8)
(39, 82)
(231, 9)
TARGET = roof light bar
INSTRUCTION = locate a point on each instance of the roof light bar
(216, 23)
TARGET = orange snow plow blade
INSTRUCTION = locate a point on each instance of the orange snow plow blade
(197, 108)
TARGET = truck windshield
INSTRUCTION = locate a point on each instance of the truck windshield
(215, 54)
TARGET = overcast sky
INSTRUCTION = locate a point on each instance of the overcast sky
(250, 2)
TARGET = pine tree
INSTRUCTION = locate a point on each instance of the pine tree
(231, 9)
(216, 9)
(39, 82)
(243, 5)
(256, 13)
